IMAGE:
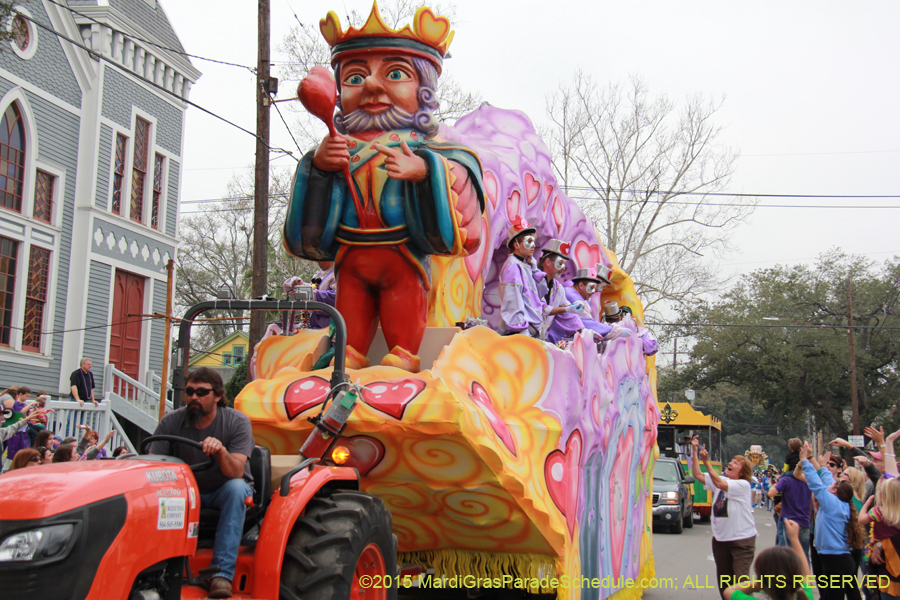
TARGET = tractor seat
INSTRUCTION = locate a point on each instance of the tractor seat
(261, 469)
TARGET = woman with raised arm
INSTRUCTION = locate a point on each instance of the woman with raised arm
(837, 528)
(734, 529)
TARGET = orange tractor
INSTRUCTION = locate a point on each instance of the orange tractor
(133, 529)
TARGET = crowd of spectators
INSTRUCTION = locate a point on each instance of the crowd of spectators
(28, 442)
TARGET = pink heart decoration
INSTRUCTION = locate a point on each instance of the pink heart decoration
(512, 206)
(304, 394)
(578, 353)
(351, 144)
(394, 137)
(475, 261)
(365, 452)
(558, 213)
(480, 397)
(490, 187)
(549, 190)
(532, 188)
(413, 135)
(392, 397)
(562, 474)
(587, 255)
(619, 499)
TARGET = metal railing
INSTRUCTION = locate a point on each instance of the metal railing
(68, 414)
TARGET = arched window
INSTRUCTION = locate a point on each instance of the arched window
(12, 158)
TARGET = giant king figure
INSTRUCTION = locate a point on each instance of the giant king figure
(415, 195)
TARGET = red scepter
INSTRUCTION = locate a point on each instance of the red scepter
(318, 93)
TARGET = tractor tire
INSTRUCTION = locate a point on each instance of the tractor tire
(343, 535)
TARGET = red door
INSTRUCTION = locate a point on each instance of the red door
(125, 333)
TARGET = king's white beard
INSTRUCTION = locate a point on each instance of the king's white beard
(391, 119)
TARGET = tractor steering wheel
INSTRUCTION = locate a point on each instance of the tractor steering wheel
(203, 466)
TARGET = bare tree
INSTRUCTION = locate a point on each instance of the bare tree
(645, 172)
(216, 250)
(305, 48)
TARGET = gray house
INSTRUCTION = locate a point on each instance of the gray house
(92, 100)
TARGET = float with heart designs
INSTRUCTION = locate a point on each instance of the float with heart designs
(507, 455)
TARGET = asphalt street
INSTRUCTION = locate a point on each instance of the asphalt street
(685, 563)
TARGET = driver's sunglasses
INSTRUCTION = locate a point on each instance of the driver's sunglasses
(199, 392)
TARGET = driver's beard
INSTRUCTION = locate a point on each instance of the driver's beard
(193, 413)
(389, 120)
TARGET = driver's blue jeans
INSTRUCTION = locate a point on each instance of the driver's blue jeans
(229, 499)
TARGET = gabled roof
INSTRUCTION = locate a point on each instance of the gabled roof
(146, 14)
(214, 349)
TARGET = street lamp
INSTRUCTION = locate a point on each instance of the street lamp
(854, 398)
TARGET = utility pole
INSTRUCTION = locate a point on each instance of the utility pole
(854, 399)
(259, 284)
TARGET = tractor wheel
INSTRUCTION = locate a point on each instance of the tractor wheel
(342, 538)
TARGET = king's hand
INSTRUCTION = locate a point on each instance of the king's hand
(332, 154)
(403, 166)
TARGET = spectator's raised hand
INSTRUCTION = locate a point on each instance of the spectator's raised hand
(704, 455)
(85, 427)
(877, 435)
(862, 460)
(791, 529)
(805, 451)
(695, 441)
(825, 458)
(840, 442)
(893, 436)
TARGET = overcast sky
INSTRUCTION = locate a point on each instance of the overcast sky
(810, 94)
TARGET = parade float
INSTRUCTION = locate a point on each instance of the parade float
(496, 456)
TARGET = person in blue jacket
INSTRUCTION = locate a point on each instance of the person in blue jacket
(837, 529)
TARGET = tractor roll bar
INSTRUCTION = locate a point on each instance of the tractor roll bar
(182, 348)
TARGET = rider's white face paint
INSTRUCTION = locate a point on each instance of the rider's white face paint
(528, 242)
(560, 264)
(591, 288)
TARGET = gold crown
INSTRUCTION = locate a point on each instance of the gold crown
(428, 29)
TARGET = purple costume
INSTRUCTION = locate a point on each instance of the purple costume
(565, 325)
(19, 440)
(326, 293)
(558, 331)
(521, 307)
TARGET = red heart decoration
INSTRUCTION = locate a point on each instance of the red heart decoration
(564, 248)
(392, 397)
(562, 474)
(304, 394)
(356, 158)
(490, 187)
(532, 188)
(413, 135)
(351, 144)
(480, 397)
(394, 137)
(365, 452)
(512, 206)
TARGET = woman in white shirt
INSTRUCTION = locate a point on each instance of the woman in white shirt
(734, 529)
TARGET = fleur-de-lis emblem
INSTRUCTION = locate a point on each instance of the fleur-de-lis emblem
(668, 414)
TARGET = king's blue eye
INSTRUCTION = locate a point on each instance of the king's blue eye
(354, 80)
(398, 75)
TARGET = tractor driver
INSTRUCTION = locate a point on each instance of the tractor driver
(227, 436)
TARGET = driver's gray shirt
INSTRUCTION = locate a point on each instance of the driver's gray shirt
(231, 427)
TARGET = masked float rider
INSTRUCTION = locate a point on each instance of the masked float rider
(553, 264)
(325, 292)
(614, 314)
(417, 196)
(522, 306)
(586, 283)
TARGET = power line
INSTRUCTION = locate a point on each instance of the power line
(734, 194)
(134, 37)
(291, 133)
(99, 56)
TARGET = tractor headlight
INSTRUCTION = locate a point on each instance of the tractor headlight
(37, 544)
